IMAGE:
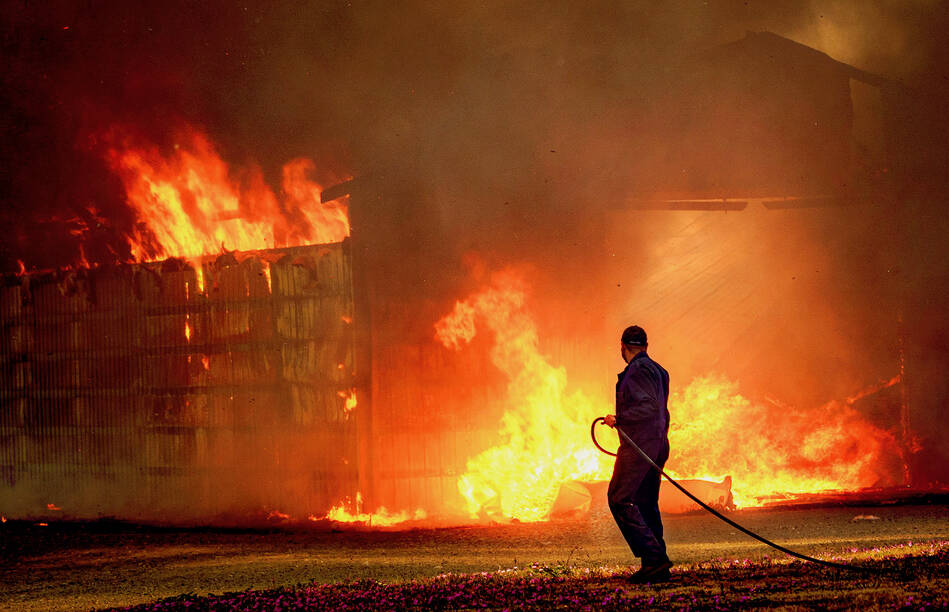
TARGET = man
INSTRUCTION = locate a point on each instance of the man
(642, 393)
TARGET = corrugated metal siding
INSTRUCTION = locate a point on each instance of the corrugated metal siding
(107, 407)
(433, 410)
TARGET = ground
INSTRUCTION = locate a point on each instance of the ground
(83, 566)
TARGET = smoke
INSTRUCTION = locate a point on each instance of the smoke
(894, 38)
(504, 119)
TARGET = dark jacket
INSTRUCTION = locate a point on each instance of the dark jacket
(642, 395)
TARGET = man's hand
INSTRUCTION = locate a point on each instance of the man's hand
(610, 420)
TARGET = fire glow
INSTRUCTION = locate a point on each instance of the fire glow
(190, 203)
(772, 451)
(769, 451)
(543, 426)
(379, 518)
(349, 398)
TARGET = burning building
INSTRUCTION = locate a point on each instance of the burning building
(195, 386)
(257, 358)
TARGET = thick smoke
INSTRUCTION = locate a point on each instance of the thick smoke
(509, 122)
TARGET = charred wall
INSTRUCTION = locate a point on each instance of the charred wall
(178, 391)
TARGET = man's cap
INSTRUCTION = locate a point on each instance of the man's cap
(634, 335)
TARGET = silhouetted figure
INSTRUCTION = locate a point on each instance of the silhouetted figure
(642, 393)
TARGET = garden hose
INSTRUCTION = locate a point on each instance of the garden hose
(761, 539)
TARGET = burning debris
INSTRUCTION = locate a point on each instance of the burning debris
(349, 512)
(774, 451)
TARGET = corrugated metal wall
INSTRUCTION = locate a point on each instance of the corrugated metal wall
(433, 410)
(134, 392)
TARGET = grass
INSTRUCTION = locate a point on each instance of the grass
(96, 565)
(903, 577)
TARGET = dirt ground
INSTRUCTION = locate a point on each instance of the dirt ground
(83, 566)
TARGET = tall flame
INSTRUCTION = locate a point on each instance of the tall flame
(768, 450)
(190, 203)
(543, 429)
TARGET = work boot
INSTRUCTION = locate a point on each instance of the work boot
(652, 573)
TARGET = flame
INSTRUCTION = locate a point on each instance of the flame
(543, 430)
(772, 451)
(277, 515)
(83, 262)
(187, 328)
(380, 518)
(350, 397)
(768, 450)
(884, 384)
(198, 280)
(22, 266)
(199, 276)
(3, 519)
(53, 507)
(266, 269)
(190, 203)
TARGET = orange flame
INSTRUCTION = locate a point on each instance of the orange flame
(277, 515)
(350, 397)
(715, 432)
(189, 202)
(266, 269)
(772, 451)
(53, 507)
(380, 518)
(83, 262)
(199, 277)
(543, 430)
(885, 384)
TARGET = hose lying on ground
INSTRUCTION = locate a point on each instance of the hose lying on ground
(761, 539)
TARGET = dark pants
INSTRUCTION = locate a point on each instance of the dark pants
(634, 499)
